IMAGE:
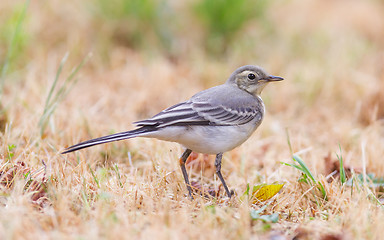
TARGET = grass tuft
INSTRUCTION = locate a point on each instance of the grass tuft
(307, 176)
(343, 177)
(55, 97)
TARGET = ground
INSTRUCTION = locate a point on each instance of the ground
(328, 108)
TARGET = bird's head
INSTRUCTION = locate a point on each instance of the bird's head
(252, 79)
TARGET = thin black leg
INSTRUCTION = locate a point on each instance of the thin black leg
(219, 156)
(183, 159)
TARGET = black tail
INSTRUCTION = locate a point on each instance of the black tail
(110, 138)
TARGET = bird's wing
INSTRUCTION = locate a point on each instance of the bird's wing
(225, 115)
(201, 113)
(181, 114)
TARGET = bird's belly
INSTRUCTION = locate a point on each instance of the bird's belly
(207, 139)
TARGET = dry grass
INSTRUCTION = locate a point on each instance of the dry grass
(331, 54)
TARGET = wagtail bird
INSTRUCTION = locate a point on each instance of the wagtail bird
(213, 121)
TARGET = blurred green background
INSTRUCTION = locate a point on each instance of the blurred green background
(243, 30)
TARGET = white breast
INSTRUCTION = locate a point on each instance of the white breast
(207, 139)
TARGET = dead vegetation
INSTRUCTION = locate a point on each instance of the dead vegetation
(330, 107)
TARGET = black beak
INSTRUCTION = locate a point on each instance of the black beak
(272, 78)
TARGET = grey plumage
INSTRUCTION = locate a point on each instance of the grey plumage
(212, 121)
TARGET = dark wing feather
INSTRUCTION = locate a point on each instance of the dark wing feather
(222, 115)
(201, 113)
(180, 114)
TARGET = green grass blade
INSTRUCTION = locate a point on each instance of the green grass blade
(304, 168)
(320, 186)
(116, 169)
(294, 166)
(343, 178)
(289, 142)
(53, 97)
(94, 176)
(70, 80)
(51, 90)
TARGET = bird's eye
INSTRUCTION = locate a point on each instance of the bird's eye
(251, 76)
